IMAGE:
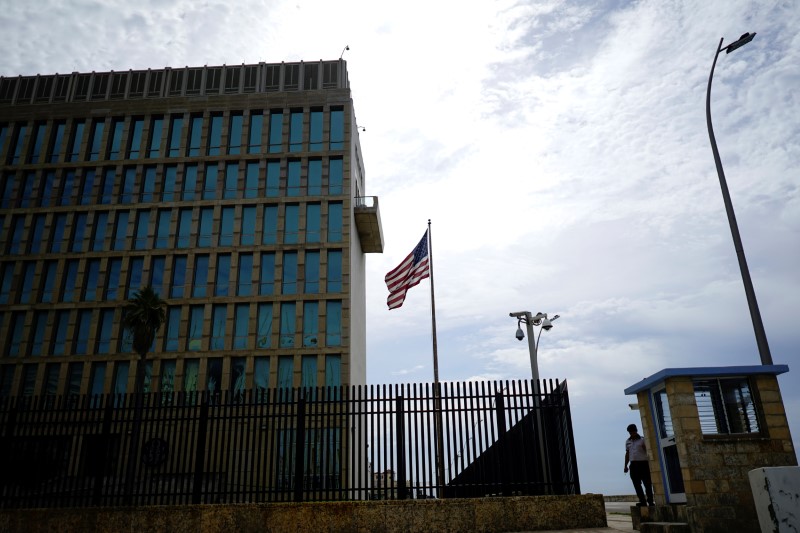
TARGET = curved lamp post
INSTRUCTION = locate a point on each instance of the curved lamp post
(755, 315)
(540, 319)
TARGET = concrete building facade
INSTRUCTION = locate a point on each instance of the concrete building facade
(236, 192)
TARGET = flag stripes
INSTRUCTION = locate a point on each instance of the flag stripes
(412, 270)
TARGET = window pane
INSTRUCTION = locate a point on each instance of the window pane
(312, 273)
(75, 146)
(226, 227)
(105, 330)
(267, 279)
(157, 274)
(219, 314)
(275, 132)
(235, 134)
(335, 176)
(82, 332)
(231, 181)
(100, 227)
(293, 179)
(251, 181)
(178, 276)
(195, 132)
(334, 222)
(70, 278)
(288, 326)
(148, 185)
(310, 323)
(222, 283)
(210, 183)
(333, 323)
(273, 178)
(135, 139)
(195, 335)
(296, 131)
(112, 278)
(206, 227)
(215, 135)
(200, 276)
(270, 229)
(244, 277)
(333, 370)
(285, 372)
(120, 231)
(88, 186)
(115, 141)
(237, 381)
(241, 327)
(313, 223)
(172, 333)
(264, 325)
(191, 374)
(337, 129)
(94, 146)
(184, 228)
(189, 182)
(247, 231)
(176, 130)
(170, 182)
(135, 271)
(107, 187)
(314, 177)
(163, 228)
(254, 138)
(92, 280)
(289, 277)
(39, 325)
(308, 372)
(315, 133)
(156, 131)
(126, 191)
(261, 376)
(291, 231)
(142, 223)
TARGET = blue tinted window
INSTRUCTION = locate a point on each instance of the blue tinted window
(334, 271)
(215, 135)
(148, 185)
(244, 279)
(273, 178)
(210, 183)
(337, 129)
(6, 190)
(92, 279)
(178, 276)
(314, 177)
(248, 229)
(251, 181)
(37, 233)
(156, 131)
(116, 139)
(70, 279)
(285, 372)
(261, 376)
(291, 233)
(121, 371)
(195, 131)
(112, 278)
(296, 131)
(231, 179)
(120, 231)
(195, 336)
(264, 337)
(51, 376)
(270, 226)
(235, 134)
(289, 277)
(128, 181)
(67, 187)
(16, 229)
(100, 225)
(135, 141)
(219, 314)
(6, 278)
(189, 182)
(275, 132)
(315, 133)
(241, 326)
(15, 330)
(170, 180)
(162, 228)
(60, 332)
(36, 147)
(140, 242)
(135, 269)
(288, 326)
(97, 136)
(157, 274)
(28, 270)
(334, 222)
(79, 231)
(226, 227)
(74, 373)
(310, 323)
(254, 138)
(58, 139)
(172, 329)
(335, 176)
(308, 373)
(267, 279)
(107, 188)
(98, 378)
(27, 190)
(313, 223)
(175, 131)
(200, 282)
(333, 323)
(293, 178)
(82, 332)
(222, 283)
(46, 194)
(312, 273)
(39, 325)
(88, 185)
(206, 227)
(48, 281)
(59, 225)
(333, 370)
(16, 148)
(184, 228)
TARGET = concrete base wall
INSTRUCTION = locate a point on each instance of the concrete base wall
(523, 513)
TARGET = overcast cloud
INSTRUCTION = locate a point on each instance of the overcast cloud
(560, 149)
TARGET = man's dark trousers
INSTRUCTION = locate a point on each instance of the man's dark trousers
(640, 474)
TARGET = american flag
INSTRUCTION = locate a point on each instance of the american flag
(407, 274)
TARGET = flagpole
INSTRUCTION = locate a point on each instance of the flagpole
(437, 393)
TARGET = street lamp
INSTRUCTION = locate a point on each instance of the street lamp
(755, 315)
(540, 319)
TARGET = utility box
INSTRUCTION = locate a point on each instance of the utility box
(705, 429)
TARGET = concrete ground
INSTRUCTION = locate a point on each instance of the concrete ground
(618, 518)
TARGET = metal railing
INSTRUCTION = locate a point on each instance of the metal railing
(337, 443)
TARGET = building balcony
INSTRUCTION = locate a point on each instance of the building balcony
(368, 223)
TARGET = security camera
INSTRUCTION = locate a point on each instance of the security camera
(520, 335)
(547, 325)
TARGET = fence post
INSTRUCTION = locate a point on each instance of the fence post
(501, 440)
(99, 475)
(299, 449)
(402, 491)
(200, 452)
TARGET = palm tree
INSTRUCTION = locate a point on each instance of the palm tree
(142, 317)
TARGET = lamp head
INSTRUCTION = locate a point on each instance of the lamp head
(547, 324)
(520, 334)
(743, 40)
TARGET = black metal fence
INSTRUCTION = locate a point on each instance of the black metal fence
(343, 443)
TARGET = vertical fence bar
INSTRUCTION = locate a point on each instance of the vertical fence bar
(500, 411)
(401, 448)
(200, 452)
(299, 449)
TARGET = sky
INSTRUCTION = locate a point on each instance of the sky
(559, 149)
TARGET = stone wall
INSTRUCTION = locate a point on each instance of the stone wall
(523, 513)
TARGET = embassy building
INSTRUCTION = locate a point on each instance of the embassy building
(236, 192)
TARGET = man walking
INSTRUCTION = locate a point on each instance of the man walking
(636, 455)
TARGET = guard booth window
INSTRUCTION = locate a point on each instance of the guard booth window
(725, 406)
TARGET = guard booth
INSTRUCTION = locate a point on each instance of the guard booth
(705, 429)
